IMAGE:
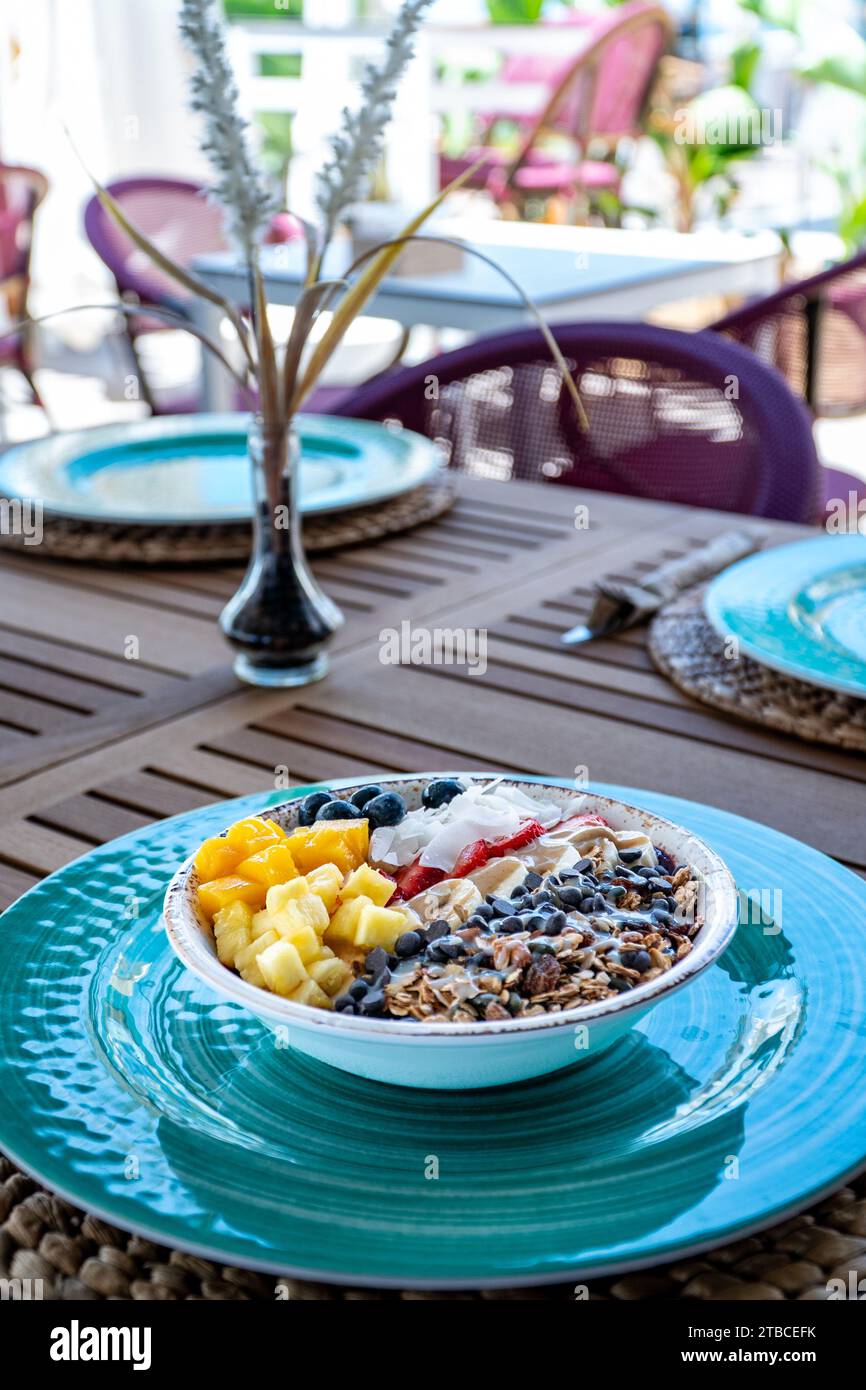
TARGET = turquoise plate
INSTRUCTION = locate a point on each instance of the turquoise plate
(799, 608)
(187, 470)
(136, 1093)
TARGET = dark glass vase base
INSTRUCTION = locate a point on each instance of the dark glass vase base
(281, 677)
(279, 621)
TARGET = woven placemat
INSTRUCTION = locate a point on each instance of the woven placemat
(97, 543)
(82, 1257)
(687, 650)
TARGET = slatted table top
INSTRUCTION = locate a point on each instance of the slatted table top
(118, 706)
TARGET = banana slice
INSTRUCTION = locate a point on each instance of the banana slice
(453, 900)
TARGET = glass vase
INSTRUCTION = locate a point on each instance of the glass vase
(279, 622)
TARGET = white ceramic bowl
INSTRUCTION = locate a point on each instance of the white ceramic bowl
(462, 1055)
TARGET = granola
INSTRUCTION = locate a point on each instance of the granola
(587, 932)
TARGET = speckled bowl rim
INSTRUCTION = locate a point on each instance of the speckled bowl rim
(191, 941)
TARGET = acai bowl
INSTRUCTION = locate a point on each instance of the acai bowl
(451, 930)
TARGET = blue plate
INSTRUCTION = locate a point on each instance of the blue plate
(129, 1087)
(800, 609)
(193, 470)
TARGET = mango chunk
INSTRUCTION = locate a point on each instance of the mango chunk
(222, 892)
(281, 967)
(270, 866)
(345, 920)
(341, 842)
(367, 882)
(333, 976)
(379, 926)
(216, 858)
(254, 833)
(326, 882)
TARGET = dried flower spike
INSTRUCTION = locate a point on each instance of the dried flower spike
(357, 146)
(239, 187)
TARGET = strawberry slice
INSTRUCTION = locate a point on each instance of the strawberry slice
(480, 852)
(415, 878)
(588, 818)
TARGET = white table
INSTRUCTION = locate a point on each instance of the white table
(571, 273)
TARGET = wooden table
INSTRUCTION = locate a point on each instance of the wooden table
(96, 744)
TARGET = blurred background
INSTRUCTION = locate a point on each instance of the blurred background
(752, 120)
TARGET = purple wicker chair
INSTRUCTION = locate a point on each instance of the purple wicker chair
(178, 216)
(814, 332)
(597, 92)
(21, 191)
(681, 417)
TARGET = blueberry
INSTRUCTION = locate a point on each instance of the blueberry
(409, 944)
(555, 923)
(484, 911)
(518, 892)
(502, 907)
(339, 810)
(639, 960)
(437, 929)
(537, 922)
(544, 896)
(376, 961)
(482, 1000)
(311, 806)
(532, 880)
(360, 798)
(618, 982)
(615, 892)
(440, 791)
(630, 856)
(357, 989)
(587, 904)
(386, 809)
(661, 914)
(345, 1004)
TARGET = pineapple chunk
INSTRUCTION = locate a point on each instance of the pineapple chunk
(369, 883)
(326, 882)
(222, 892)
(262, 922)
(231, 929)
(345, 920)
(269, 866)
(341, 842)
(254, 833)
(300, 934)
(284, 893)
(310, 909)
(333, 976)
(246, 961)
(216, 858)
(282, 967)
(310, 993)
(379, 926)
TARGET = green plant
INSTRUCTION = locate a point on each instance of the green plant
(515, 11)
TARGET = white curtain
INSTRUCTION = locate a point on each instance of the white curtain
(114, 73)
